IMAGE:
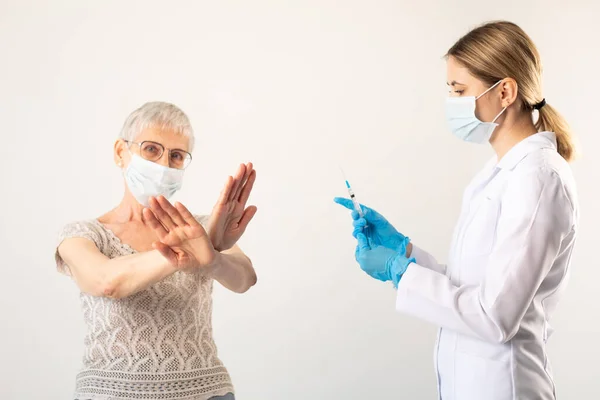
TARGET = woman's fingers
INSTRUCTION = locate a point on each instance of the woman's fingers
(226, 191)
(160, 213)
(238, 187)
(247, 172)
(247, 188)
(237, 182)
(154, 223)
(249, 213)
(186, 214)
(166, 252)
(171, 211)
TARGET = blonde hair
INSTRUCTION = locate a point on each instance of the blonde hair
(501, 49)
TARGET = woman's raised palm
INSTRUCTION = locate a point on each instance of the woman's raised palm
(230, 216)
(182, 239)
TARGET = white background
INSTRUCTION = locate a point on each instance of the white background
(295, 87)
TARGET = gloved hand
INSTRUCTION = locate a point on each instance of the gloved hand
(380, 262)
(379, 231)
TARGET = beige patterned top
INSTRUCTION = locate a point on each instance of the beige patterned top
(155, 344)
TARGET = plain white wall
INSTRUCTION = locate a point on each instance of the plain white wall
(295, 87)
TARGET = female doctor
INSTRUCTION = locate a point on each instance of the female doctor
(512, 246)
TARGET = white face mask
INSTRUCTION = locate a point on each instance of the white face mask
(146, 178)
(460, 115)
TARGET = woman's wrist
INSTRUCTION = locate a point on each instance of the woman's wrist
(409, 248)
(215, 266)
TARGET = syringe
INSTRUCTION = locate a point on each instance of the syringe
(357, 207)
(355, 202)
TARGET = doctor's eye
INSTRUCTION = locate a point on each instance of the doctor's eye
(455, 92)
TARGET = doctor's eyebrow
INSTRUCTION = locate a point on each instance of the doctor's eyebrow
(455, 83)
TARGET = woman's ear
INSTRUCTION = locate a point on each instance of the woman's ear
(120, 148)
(510, 92)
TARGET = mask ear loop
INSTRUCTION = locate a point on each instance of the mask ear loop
(498, 116)
(490, 88)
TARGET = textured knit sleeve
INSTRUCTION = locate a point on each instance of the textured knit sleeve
(84, 229)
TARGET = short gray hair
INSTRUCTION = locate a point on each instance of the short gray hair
(157, 114)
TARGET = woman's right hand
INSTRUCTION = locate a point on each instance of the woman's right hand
(378, 230)
(182, 239)
(230, 216)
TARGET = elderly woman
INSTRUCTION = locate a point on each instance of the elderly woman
(146, 269)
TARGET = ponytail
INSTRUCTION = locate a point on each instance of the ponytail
(550, 120)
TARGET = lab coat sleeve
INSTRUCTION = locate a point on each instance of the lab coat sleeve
(426, 260)
(536, 216)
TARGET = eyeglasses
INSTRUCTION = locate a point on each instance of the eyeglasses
(153, 151)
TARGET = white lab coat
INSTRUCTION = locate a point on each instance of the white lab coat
(508, 264)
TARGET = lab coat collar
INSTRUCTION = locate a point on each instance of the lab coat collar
(541, 140)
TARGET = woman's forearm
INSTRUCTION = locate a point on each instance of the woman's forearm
(234, 271)
(133, 273)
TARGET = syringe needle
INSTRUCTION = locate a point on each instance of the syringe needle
(356, 204)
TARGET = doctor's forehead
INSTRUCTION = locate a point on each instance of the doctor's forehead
(457, 74)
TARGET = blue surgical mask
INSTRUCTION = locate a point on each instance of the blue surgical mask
(460, 115)
(146, 178)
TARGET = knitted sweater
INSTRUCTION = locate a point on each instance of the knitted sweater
(155, 344)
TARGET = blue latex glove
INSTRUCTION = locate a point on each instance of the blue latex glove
(380, 232)
(380, 262)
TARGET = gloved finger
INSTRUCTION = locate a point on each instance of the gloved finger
(350, 205)
(371, 242)
(363, 242)
(373, 216)
(355, 215)
(359, 223)
(356, 231)
(344, 202)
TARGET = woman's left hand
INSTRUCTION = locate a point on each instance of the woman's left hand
(230, 217)
(182, 239)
